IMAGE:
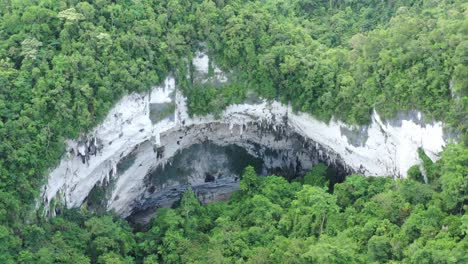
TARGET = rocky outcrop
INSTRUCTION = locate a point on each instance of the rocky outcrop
(155, 127)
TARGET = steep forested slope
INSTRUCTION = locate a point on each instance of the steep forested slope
(340, 59)
(364, 220)
(64, 63)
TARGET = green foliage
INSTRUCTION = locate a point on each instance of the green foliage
(443, 249)
(63, 64)
(414, 173)
(454, 177)
(427, 166)
(379, 249)
(365, 220)
(347, 58)
(333, 250)
(317, 176)
(250, 181)
(206, 98)
(309, 212)
(273, 221)
(351, 190)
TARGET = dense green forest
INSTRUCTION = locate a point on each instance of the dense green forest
(271, 220)
(64, 63)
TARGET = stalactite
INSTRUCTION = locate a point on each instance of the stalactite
(266, 124)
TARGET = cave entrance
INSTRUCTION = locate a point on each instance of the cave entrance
(214, 173)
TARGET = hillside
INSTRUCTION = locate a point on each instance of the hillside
(364, 87)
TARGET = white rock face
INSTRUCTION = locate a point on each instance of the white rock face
(201, 62)
(379, 149)
(162, 94)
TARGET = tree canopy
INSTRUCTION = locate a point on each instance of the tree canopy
(63, 64)
(363, 220)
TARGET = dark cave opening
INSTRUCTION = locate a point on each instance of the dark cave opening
(213, 171)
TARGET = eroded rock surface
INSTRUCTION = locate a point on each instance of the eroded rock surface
(145, 132)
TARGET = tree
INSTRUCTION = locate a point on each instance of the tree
(439, 250)
(317, 176)
(110, 258)
(454, 179)
(333, 250)
(109, 236)
(30, 48)
(259, 211)
(379, 249)
(9, 244)
(70, 15)
(191, 211)
(415, 174)
(309, 212)
(250, 182)
(189, 204)
(423, 222)
(354, 187)
(279, 190)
